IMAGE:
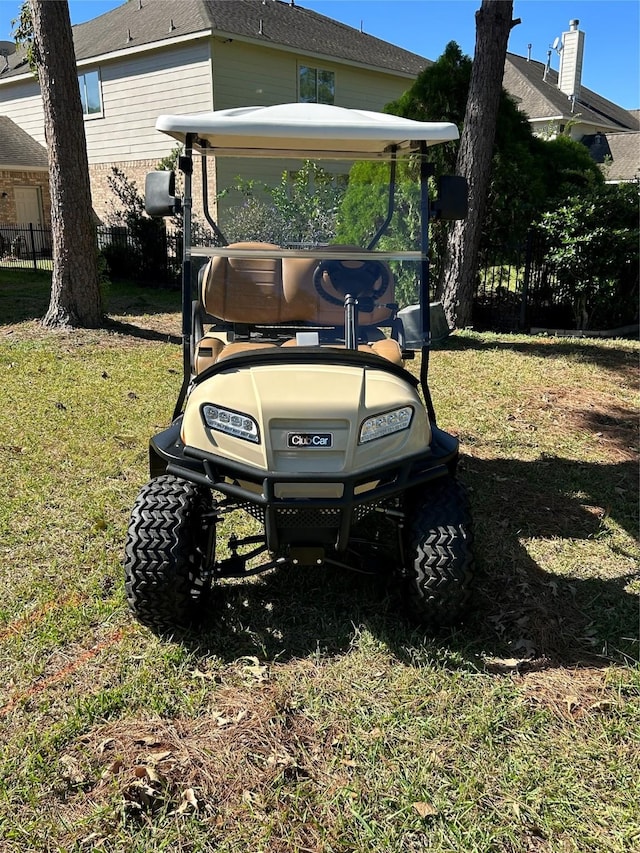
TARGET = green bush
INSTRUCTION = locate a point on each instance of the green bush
(593, 251)
(302, 208)
(140, 252)
(364, 209)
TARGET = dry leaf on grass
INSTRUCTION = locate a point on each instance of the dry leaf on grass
(254, 669)
(189, 801)
(425, 809)
(72, 771)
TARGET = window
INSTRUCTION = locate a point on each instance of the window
(90, 93)
(316, 85)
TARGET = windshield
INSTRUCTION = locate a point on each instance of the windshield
(313, 203)
(307, 205)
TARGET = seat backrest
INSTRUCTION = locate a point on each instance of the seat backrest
(244, 290)
(265, 291)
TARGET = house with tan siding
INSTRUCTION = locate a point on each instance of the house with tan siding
(148, 57)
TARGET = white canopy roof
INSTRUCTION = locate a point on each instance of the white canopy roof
(304, 130)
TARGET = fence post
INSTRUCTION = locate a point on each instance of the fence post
(528, 256)
(164, 251)
(33, 246)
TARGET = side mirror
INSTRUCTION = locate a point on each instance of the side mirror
(159, 194)
(453, 198)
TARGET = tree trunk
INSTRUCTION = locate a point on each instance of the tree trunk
(493, 24)
(75, 292)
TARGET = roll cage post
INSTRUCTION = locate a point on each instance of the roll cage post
(391, 203)
(185, 164)
(426, 171)
(205, 200)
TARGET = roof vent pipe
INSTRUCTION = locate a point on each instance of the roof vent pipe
(529, 46)
(171, 25)
(261, 30)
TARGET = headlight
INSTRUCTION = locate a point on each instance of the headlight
(230, 422)
(386, 424)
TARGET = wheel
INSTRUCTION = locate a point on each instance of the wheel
(166, 553)
(439, 560)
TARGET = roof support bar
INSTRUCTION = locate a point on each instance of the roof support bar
(186, 167)
(205, 201)
(391, 204)
(426, 170)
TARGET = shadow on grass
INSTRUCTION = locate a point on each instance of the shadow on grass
(139, 333)
(519, 610)
(25, 294)
(614, 357)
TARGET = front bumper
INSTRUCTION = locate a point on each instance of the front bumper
(322, 522)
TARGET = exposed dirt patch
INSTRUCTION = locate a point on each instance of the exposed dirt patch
(570, 693)
(599, 413)
(118, 331)
(240, 758)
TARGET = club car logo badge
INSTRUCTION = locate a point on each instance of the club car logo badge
(301, 440)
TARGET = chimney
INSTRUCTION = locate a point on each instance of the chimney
(570, 74)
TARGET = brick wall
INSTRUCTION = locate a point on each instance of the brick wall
(103, 198)
(105, 201)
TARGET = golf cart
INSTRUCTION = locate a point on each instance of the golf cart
(295, 406)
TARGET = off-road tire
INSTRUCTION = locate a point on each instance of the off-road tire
(165, 581)
(439, 558)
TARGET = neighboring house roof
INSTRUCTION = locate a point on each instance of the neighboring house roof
(619, 153)
(18, 149)
(271, 23)
(541, 98)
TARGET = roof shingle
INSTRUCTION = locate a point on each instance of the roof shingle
(541, 98)
(18, 149)
(273, 22)
(618, 153)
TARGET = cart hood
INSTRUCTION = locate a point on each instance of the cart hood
(291, 401)
(306, 130)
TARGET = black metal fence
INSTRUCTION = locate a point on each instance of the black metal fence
(25, 246)
(152, 257)
(516, 289)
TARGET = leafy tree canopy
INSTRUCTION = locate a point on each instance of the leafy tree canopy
(566, 167)
(438, 94)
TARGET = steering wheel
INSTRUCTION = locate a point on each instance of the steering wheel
(357, 281)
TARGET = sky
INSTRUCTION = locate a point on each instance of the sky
(612, 31)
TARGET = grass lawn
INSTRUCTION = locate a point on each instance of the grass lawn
(309, 714)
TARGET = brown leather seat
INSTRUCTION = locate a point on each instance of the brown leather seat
(244, 290)
(262, 291)
(211, 349)
(386, 348)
